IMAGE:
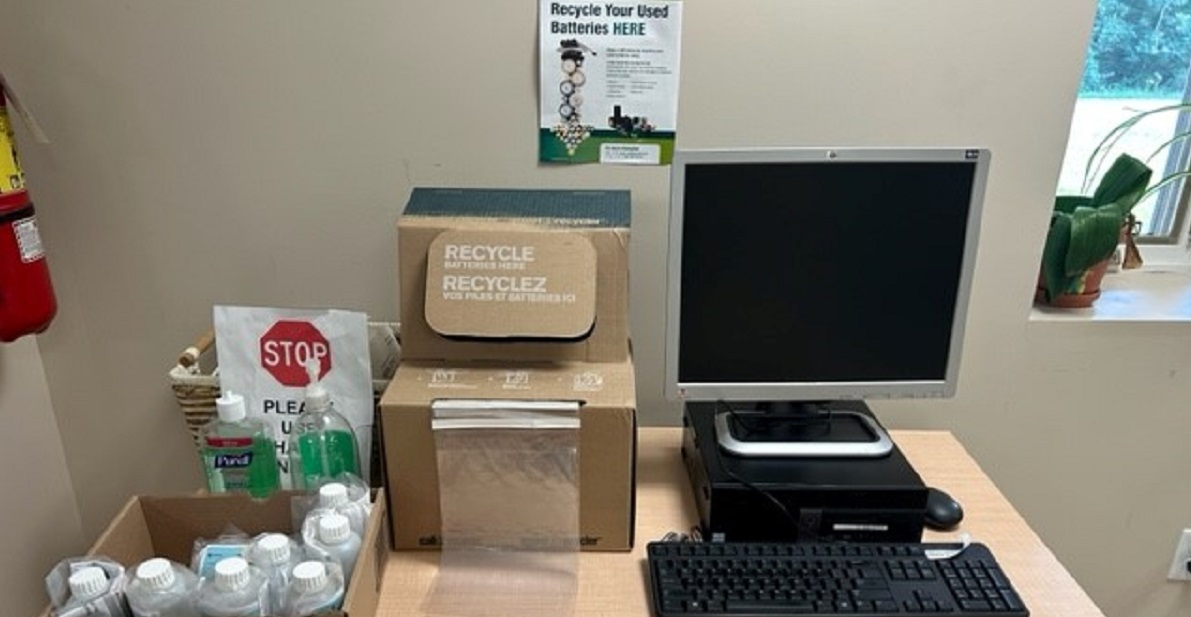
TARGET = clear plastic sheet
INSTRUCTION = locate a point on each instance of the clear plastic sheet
(509, 492)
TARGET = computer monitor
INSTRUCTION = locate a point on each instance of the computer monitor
(803, 276)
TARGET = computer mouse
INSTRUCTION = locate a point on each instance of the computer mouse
(943, 512)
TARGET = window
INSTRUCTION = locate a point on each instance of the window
(1139, 58)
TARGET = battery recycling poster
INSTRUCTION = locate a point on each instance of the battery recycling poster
(608, 78)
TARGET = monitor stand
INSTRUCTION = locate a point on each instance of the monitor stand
(782, 429)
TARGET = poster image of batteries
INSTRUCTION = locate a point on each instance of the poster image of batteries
(608, 81)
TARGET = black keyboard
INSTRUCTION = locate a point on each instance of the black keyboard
(746, 579)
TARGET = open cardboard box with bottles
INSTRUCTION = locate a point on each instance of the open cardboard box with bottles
(167, 526)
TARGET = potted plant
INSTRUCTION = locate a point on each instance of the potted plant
(1084, 232)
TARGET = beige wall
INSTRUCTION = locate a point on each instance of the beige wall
(258, 153)
(40, 520)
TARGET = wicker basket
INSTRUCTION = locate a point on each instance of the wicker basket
(195, 379)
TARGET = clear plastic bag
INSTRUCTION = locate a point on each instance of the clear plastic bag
(509, 493)
(108, 599)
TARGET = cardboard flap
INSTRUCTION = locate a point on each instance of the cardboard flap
(487, 284)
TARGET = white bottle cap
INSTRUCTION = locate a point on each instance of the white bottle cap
(317, 398)
(274, 548)
(231, 573)
(334, 528)
(157, 573)
(88, 583)
(231, 407)
(310, 576)
(332, 494)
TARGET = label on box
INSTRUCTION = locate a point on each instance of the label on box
(503, 284)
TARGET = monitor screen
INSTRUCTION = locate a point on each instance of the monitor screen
(816, 274)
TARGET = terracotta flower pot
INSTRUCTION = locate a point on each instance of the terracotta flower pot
(1089, 286)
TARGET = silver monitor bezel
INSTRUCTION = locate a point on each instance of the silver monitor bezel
(818, 391)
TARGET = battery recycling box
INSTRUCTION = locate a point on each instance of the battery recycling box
(515, 295)
(514, 274)
(607, 439)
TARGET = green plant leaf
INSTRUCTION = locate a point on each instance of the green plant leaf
(1094, 236)
(1054, 255)
(1165, 181)
(1100, 152)
(1166, 144)
(1123, 184)
(1068, 203)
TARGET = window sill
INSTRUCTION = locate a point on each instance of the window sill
(1149, 294)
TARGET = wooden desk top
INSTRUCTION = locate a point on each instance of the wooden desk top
(615, 584)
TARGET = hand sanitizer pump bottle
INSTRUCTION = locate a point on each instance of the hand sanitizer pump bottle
(238, 452)
(322, 443)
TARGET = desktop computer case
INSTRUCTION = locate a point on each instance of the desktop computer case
(821, 499)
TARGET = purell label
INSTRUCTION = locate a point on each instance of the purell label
(233, 461)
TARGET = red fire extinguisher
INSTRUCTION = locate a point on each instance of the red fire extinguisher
(27, 303)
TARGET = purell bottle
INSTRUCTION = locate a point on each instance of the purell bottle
(316, 587)
(239, 454)
(162, 588)
(236, 590)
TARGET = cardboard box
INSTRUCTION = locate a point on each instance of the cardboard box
(607, 440)
(150, 526)
(523, 275)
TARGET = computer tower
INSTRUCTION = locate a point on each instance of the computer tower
(741, 499)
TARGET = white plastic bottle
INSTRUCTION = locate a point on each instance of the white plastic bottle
(334, 496)
(162, 588)
(315, 588)
(276, 555)
(337, 540)
(237, 590)
(86, 584)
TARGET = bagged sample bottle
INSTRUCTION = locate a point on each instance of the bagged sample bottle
(316, 587)
(336, 540)
(237, 590)
(87, 585)
(333, 496)
(239, 453)
(162, 588)
(322, 444)
(276, 555)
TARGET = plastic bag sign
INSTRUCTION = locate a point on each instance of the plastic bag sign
(262, 354)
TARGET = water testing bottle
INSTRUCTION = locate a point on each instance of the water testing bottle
(276, 555)
(238, 453)
(162, 588)
(322, 443)
(86, 584)
(333, 496)
(314, 589)
(337, 540)
(237, 590)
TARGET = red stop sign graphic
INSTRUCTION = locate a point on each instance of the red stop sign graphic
(288, 346)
